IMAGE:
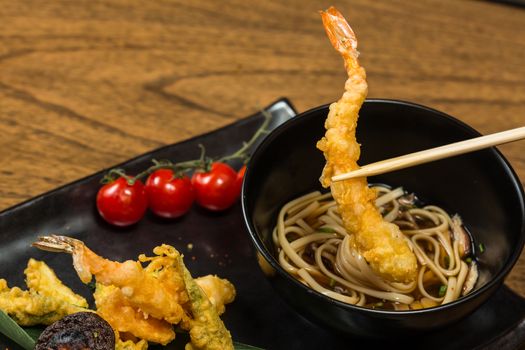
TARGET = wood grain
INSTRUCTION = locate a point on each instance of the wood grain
(88, 84)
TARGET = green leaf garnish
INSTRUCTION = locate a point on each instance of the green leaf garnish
(241, 346)
(481, 247)
(326, 230)
(442, 290)
(14, 332)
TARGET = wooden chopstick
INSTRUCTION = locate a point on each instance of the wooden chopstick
(432, 154)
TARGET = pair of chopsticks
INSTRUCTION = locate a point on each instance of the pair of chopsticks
(432, 154)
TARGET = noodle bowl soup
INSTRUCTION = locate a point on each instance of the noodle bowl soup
(478, 190)
(315, 248)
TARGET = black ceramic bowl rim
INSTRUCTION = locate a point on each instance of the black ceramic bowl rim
(256, 240)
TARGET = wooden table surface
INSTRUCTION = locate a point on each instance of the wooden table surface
(85, 85)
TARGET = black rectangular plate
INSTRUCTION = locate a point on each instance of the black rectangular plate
(221, 246)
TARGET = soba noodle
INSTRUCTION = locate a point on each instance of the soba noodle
(314, 247)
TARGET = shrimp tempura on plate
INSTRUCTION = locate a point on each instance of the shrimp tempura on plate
(145, 298)
(381, 243)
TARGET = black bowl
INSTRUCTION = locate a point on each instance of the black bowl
(480, 186)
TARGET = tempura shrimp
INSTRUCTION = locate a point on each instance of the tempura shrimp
(380, 243)
(157, 289)
(113, 306)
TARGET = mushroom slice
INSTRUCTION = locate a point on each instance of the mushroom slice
(461, 236)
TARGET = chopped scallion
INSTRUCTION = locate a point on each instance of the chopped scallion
(326, 230)
(481, 247)
(442, 290)
(468, 260)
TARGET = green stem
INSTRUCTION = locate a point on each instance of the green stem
(114, 174)
(202, 162)
(178, 168)
(241, 152)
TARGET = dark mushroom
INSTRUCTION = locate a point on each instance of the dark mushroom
(79, 331)
(461, 236)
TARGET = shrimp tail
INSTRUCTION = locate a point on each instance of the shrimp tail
(63, 244)
(340, 33)
(57, 244)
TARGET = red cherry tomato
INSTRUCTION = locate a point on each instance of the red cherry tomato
(122, 204)
(216, 189)
(240, 177)
(169, 196)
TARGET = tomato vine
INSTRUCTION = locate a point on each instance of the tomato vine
(167, 189)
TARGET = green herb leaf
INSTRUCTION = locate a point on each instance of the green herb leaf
(14, 332)
(481, 247)
(468, 260)
(442, 290)
(240, 346)
(326, 230)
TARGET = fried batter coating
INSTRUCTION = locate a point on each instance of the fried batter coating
(42, 279)
(47, 300)
(207, 331)
(28, 308)
(381, 243)
(114, 307)
(157, 289)
(129, 344)
(219, 290)
(146, 301)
